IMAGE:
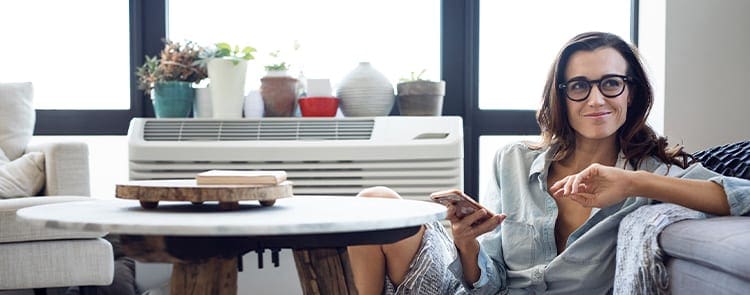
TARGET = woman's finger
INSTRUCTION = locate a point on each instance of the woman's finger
(585, 199)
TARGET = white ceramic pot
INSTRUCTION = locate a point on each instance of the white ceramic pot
(227, 87)
(202, 107)
(365, 92)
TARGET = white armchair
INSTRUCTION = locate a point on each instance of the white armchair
(32, 257)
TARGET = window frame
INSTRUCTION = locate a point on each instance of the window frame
(147, 29)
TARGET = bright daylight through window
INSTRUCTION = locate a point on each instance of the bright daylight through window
(75, 52)
(396, 37)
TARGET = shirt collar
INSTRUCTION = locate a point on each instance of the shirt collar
(541, 161)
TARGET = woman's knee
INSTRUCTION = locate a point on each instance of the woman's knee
(378, 192)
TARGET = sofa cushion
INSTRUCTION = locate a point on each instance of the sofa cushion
(16, 118)
(691, 278)
(56, 264)
(720, 243)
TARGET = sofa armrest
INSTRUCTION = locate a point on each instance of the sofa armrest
(66, 167)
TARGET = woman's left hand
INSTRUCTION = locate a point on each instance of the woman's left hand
(596, 186)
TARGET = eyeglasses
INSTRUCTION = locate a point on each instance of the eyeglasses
(578, 89)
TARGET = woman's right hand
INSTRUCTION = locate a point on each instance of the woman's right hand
(466, 229)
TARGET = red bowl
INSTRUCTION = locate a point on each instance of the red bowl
(319, 106)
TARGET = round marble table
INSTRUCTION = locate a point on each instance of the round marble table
(203, 241)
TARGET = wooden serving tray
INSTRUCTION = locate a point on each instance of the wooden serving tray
(150, 192)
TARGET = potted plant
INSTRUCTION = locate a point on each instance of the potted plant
(278, 89)
(227, 69)
(419, 97)
(277, 69)
(167, 79)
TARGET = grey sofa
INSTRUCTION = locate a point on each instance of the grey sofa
(712, 256)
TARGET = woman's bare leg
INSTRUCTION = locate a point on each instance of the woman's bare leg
(371, 262)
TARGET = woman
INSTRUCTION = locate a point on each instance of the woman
(560, 201)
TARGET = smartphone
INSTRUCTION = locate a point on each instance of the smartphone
(465, 205)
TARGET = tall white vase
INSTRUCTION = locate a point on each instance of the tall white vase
(227, 87)
(365, 92)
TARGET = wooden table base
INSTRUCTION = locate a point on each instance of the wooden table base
(324, 271)
(214, 276)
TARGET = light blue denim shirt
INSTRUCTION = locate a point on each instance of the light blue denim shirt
(520, 256)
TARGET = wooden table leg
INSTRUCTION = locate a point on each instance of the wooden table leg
(213, 276)
(324, 271)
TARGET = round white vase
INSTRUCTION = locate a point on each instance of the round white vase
(365, 92)
(227, 87)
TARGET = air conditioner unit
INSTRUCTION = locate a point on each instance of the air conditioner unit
(322, 156)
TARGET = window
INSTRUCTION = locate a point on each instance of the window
(75, 59)
(396, 37)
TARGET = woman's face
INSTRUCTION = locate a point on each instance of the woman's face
(597, 117)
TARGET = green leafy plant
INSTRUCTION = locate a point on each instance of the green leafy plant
(282, 66)
(276, 63)
(414, 76)
(226, 51)
(176, 62)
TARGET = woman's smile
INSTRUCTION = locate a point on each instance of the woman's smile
(597, 115)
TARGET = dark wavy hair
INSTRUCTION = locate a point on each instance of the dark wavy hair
(637, 140)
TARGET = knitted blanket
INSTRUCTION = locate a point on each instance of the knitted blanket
(640, 266)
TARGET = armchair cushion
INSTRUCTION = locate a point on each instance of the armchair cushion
(21, 177)
(16, 118)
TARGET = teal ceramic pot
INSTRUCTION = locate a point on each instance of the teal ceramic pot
(173, 99)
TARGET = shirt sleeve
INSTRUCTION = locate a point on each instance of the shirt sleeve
(736, 189)
(493, 275)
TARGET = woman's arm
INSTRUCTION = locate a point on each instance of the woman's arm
(701, 195)
(602, 186)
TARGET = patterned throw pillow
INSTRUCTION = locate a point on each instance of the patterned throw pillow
(729, 159)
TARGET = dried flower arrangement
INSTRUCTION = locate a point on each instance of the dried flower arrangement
(177, 62)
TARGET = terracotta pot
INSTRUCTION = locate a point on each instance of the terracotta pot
(279, 96)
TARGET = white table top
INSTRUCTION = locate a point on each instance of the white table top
(289, 216)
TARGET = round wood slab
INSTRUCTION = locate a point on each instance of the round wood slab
(150, 192)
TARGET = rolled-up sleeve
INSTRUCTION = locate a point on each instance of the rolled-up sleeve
(737, 191)
(491, 279)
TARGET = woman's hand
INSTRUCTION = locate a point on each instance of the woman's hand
(466, 229)
(596, 186)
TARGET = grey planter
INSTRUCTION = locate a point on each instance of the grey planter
(421, 98)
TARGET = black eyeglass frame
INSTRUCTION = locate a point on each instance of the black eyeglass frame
(564, 85)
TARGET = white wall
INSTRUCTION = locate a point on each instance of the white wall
(707, 72)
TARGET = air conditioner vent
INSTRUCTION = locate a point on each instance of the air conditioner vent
(257, 130)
